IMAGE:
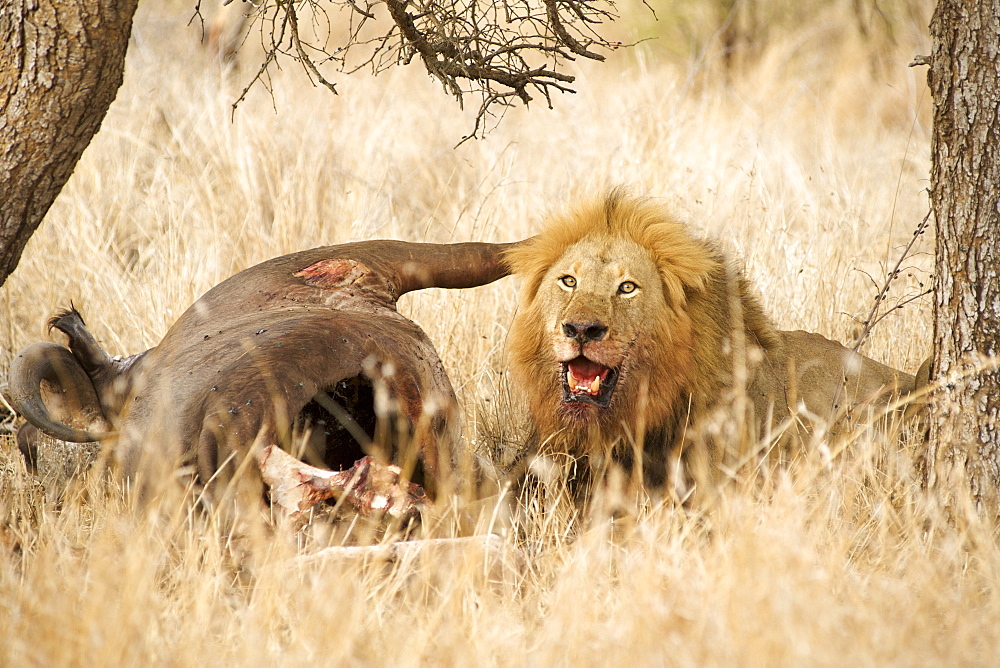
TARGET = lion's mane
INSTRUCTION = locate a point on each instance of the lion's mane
(681, 362)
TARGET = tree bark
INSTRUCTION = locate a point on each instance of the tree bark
(964, 448)
(61, 64)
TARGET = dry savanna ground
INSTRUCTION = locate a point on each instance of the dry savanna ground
(808, 158)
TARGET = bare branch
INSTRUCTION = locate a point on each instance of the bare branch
(497, 49)
(873, 316)
(306, 61)
(552, 9)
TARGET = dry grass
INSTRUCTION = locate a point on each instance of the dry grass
(810, 163)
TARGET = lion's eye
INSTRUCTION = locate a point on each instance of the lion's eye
(568, 281)
(627, 288)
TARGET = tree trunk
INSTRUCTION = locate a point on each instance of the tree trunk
(964, 79)
(61, 64)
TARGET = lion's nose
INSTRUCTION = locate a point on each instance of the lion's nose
(585, 331)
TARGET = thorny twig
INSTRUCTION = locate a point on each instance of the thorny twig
(874, 317)
(503, 50)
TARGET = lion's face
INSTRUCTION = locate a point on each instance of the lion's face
(602, 348)
(597, 302)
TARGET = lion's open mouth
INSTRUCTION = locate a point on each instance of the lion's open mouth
(586, 381)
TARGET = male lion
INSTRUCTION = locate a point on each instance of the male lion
(632, 335)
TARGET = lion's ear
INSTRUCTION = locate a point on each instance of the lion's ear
(531, 259)
(686, 263)
(687, 271)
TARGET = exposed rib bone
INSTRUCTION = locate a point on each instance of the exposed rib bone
(369, 486)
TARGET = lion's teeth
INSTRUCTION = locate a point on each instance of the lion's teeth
(581, 385)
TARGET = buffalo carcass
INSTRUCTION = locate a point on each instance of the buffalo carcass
(306, 348)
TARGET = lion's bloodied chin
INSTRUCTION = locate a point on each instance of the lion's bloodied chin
(585, 381)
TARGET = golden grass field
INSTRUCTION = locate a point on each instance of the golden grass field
(810, 162)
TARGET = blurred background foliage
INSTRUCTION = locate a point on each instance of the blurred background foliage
(726, 36)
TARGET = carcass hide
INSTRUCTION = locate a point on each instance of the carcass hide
(306, 348)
